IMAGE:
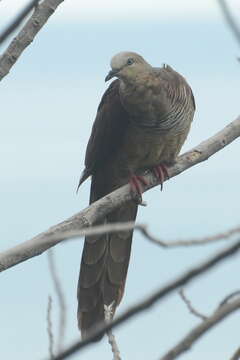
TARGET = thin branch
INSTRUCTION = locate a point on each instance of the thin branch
(49, 328)
(160, 294)
(190, 307)
(230, 297)
(88, 217)
(108, 312)
(189, 242)
(230, 19)
(61, 300)
(195, 334)
(236, 355)
(17, 21)
(27, 34)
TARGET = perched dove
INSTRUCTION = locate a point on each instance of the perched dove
(142, 122)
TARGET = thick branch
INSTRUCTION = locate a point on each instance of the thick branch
(160, 294)
(17, 21)
(27, 34)
(90, 215)
(195, 334)
(236, 355)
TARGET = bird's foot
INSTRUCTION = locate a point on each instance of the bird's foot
(161, 173)
(137, 184)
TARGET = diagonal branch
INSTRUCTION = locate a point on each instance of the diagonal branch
(236, 355)
(190, 307)
(17, 21)
(195, 334)
(27, 34)
(160, 294)
(230, 297)
(89, 216)
(230, 19)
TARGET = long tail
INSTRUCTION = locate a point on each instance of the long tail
(103, 271)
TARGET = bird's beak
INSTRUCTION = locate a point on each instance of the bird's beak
(111, 74)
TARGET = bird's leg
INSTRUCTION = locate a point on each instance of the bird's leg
(137, 184)
(161, 173)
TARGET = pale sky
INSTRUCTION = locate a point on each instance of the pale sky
(109, 10)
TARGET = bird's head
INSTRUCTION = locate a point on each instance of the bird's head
(127, 65)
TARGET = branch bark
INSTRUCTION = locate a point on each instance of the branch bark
(17, 21)
(236, 355)
(89, 216)
(160, 294)
(27, 34)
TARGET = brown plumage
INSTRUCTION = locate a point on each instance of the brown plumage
(142, 120)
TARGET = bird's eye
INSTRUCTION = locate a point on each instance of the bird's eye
(130, 61)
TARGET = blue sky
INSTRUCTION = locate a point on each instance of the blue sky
(48, 104)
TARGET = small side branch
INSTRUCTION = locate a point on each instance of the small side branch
(108, 312)
(49, 328)
(61, 300)
(195, 334)
(190, 307)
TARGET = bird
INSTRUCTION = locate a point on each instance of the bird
(142, 121)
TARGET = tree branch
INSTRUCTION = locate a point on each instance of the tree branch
(17, 21)
(190, 307)
(49, 329)
(108, 312)
(89, 216)
(230, 297)
(236, 355)
(61, 300)
(230, 19)
(27, 34)
(195, 334)
(160, 294)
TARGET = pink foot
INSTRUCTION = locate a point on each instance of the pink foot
(161, 173)
(137, 184)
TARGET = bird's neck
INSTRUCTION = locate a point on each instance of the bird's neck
(137, 81)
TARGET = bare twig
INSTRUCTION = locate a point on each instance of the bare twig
(86, 218)
(61, 300)
(230, 19)
(17, 21)
(160, 294)
(190, 307)
(236, 355)
(230, 297)
(27, 34)
(49, 328)
(189, 242)
(108, 312)
(195, 334)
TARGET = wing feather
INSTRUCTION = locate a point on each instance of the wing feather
(107, 132)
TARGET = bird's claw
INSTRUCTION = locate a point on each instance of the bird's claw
(137, 184)
(161, 173)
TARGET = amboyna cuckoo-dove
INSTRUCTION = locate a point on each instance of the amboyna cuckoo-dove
(142, 122)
